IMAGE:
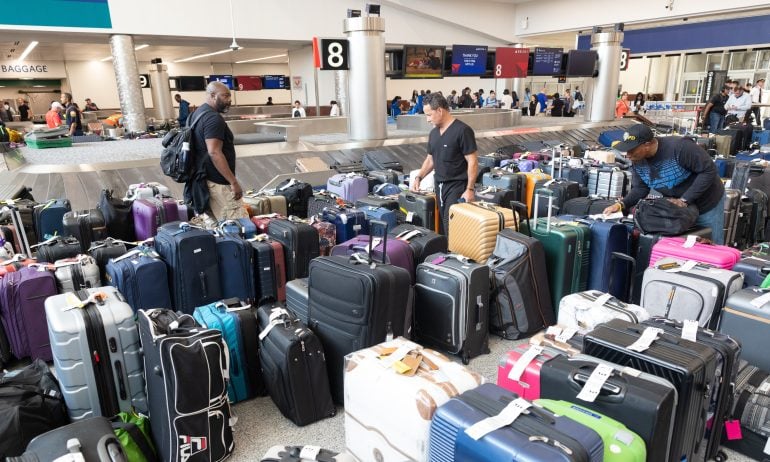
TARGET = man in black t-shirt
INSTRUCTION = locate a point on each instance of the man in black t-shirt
(714, 114)
(25, 113)
(452, 154)
(72, 115)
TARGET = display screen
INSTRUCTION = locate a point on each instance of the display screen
(186, 83)
(547, 61)
(225, 79)
(511, 63)
(423, 62)
(248, 82)
(581, 63)
(275, 82)
(469, 59)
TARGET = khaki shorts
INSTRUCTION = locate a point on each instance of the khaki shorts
(222, 204)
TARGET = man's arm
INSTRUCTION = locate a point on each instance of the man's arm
(694, 159)
(639, 190)
(706, 112)
(214, 147)
(473, 170)
(73, 126)
(425, 169)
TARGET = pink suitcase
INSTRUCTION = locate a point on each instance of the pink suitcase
(528, 385)
(149, 214)
(720, 256)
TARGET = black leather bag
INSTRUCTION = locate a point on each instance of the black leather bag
(661, 216)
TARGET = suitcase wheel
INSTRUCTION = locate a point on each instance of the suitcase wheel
(466, 358)
(720, 457)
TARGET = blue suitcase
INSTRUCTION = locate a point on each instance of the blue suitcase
(236, 267)
(760, 136)
(536, 435)
(243, 227)
(725, 166)
(142, 277)
(606, 138)
(392, 217)
(49, 218)
(349, 222)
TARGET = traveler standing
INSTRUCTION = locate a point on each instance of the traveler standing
(25, 113)
(756, 98)
(72, 117)
(298, 111)
(737, 105)
(184, 110)
(53, 116)
(714, 113)
(506, 102)
(622, 106)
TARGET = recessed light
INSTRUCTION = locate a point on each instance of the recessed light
(26, 78)
(141, 47)
(226, 50)
(28, 50)
(260, 59)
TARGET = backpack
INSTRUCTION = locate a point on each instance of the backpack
(660, 216)
(177, 157)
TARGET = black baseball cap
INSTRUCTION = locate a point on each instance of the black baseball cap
(633, 137)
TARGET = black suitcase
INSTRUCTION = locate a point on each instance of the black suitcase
(503, 179)
(493, 159)
(265, 279)
(294, 366)
(583, 206)
(86, 225)
(23, 219)
(372, 200)
(300, 244)
(58, 248)
(744, 234)
(91, 439)
(691, 367)
(721, 399)
(186, 391)
(750, 400)
(103, 251)
(381, 160)
(297, 194)
(563, 190)
(117, 216)
(319, 201)
(501, 197)
(420, 209)
(384, 176)
(423, 241)
(355, 303)
(511, 149)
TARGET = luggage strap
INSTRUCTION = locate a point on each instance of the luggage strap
(277, 317)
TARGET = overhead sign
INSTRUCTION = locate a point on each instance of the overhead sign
(511, 63)
(625, 55)
(32, 69)
(144, 80)
(334, 54)
(58, 13)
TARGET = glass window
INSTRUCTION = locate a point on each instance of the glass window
(764, 60)
(743, 60)
(691, 88)
(695, 63)
(716, 61)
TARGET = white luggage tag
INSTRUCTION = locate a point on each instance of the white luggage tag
(687, 266)
(74, 302)
(310, 452)
(601, 300)
(409, 235)
(690, 241)
(566, 334)
(690, 330)
(506, 417)
(761, 301)
(644, 342)
(594, 384)
(524, 360)
(388, 361)
(288, 185)
(274, 320)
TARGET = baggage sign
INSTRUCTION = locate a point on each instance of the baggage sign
(625, 55)
(511, 63)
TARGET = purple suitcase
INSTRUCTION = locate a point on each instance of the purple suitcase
(350, 187)
(399, 253)
(150, 214)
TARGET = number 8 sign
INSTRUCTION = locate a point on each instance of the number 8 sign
(334, 54)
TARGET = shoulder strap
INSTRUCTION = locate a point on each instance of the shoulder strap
(193, 118)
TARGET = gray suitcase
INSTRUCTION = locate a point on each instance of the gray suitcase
(73, 274)
(746, 318)
(96, 353)
(297, 297)
(608, 182)
(732, 212)
(673, 290)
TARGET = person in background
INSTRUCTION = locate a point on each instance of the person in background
(53, 116)
(557, 106)
(72, 117)
(413, 99)
(298, 110)
(418, 107)
(516, 100)
(737, 105)
(466, 100)
(543, 100)
(184, 110)
(25, 113)
(480, 100)
(567, 98)
(491, 100)
(715, 112)
(269, 101)
(335, 109)
(452, 100)
(638, 104)
(7, 112)
(577, 96)
(527, 94)
(622, 106)
(756, 94)
(533, 102)
(395, 107)
(90, 106)
(506, 102)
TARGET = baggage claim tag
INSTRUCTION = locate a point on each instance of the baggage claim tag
(690, 241)
(400, 353)
(553, 330)
(506, 417)
(649, 335)
(690, 330)
(566, 334)
(523, 361)
(595, 382)
(310, 452)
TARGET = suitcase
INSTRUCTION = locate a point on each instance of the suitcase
(103, 251)
(396, 425)
(423, 241)
(269, 270)
(519, 369)
(689, 366)
(725, 166)
(620, 444)
(91, 439)
(511, 149)
(240, 332)
(297, 297)
(193, 265)
(20, 216)
(348, 222)
(151, 214)
(384, 176)
(523, 166)
(321, 200)
(392, 217)
(118, 217)
(242, 227)
(751, 402)
(300, 245)
(567, 251)
(327, 234)
(452, 305)
(146, 191)
(48, 218)
(294, 367)
(532, 178)
(585, 310)
(310, 164)
(611, 183)
(262, 221)
(141, 277)
(22, 311)
(493, 159)
(185, 366)
(760, 136)
(263, 204)
(492, 195)
(296, 194)
(746, 318)
(349, 187)
(304, 454)
(381, 160)
(236, 268)
(473, 228)
(680, 290)
(58, 248)
(755, 266)
(353, 303)
(78, 273)
(644, 402)
(608, 137)
(758, 225)
(583, 206)
(719, 256)
(744, 235)
(563, 190)
(505, 180)
(751, 156)
(420, 209)
(450, 441)
(732, 211)
(372, 200)
(96, 352)
(398, 253)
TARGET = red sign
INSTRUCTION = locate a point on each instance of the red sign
(316, 53)
(511, 63)
(248, 82)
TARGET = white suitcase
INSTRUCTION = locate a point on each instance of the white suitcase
(388, 414)
(146, 191)
(73, 274)
(585, 310)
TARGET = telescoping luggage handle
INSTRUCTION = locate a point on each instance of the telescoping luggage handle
(373, 226)
(615, 259)
(544, 192)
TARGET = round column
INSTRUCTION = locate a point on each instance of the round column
(341, 91)
(367, 118)
(605, 87)
(127, 78)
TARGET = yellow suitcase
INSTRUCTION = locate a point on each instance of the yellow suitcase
(473, 228)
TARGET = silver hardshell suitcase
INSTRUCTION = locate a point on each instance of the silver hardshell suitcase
(608, 182)
(96, 352)
(77, 273)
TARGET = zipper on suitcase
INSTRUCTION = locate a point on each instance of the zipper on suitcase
(100, 360)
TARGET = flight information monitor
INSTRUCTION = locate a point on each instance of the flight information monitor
(547, 61)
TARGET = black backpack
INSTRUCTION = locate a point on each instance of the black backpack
(660, 216)
(177, 158)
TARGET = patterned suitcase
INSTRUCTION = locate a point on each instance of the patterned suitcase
(473, 228)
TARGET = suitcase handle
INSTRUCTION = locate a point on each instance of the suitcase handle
(121, 381)
(373, 225)
(608, 390)
(521, 208)
(202, 277)
(615, 258)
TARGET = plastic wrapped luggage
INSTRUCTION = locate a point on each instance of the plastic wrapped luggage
(22, 311)
(585, 310)
(91, 439)
(146, 191)
(473, 228)
(141, 277)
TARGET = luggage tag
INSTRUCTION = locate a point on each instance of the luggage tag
(387, 360)
(410, 217)
(524, 360)
(760, 301)
(409, 235)
(73, 301)
(566, 334)
(506, 417)
(690, 330)
(310, 453)
(644, 342)
(687, 266)
(734, 432)
(690, 241)
(594, 384)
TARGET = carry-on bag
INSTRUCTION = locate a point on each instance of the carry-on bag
(396, 425)
(294, 366)
(118, 217)
(96, 352)
(78, 273)
(754, 264)
(263, 204)
(381, 160)
(563, 190)
(269, 269)
(505, 180)
(48, 218)
(150, 214)
(473, 228)
(349, 222)
(661, 216)
(236, 267)
(296, 194)
(398, 253)
(583, 206)
(493, 195)
(423, 241)
(300, 243)
(103, 251)
(349, 187)
(420, 209)
(519, 369)
(608, 182)
(297, 297)
(57, 248)
(242, 227)
(392, 217)
(91, 439)
(696, 249)
(751, 401)
(731, 214)
(383, 176)
(534, 179)
(141, 277)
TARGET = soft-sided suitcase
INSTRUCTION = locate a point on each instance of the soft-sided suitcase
(73, 274)
(689, 366)
(304, 454)
(48, 218)
(535, 434)
(420, 209)
(519, 369)
(398, 253)
(492, 195)
(91, 439)
(186, 370)
(321, 200)
(150, 214)
(117, 216)
(744, 235)
(349, 187)
(746, 318)
(103, 251)
(296, 194)
(582, 206)
(452, 305)
(327, 234)
(392, 217)
(348, 221)
(96, 352)
(141, 277)
(300, 245)
(354, 303)
(372, 200)
(236, 267)
(193, 265)
(269, 270)
(22, 311)
(608, 137)
(297, 297)
(294, 366)
(396, 425)
(146, 191)
(263, 204)
(242, 227)
(381, 160)
(473, 228)
(682, 290)
(423, 241)
(719, 256)
(57, 248)
(751, 401)
(585, 310)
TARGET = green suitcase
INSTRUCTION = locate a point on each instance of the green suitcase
(567, 250)
(620, 443)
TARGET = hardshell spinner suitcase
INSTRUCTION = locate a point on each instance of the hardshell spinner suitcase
(48, 217)
(185, 366)
(58, 248)
(269, 270)
(193, 265)
(533, 178)
(519, 369)
(22, 311)
(297, 297)
(719, 256)
(96, 352)
(151, 214)
(296, 194)
(141, 277)
(609, 183)
(236, 267)
(86, 225)
(503, 179)
(452, 305)
(523, 439)
(746, 318)
(690, 366)
(473, 228)
(420, 209)
(563, 190)
(90, 439)
(423, 241)
(73, 274)
(349, 187)
(294, 366)
(300, 243)
(396, 425)
(755, 266)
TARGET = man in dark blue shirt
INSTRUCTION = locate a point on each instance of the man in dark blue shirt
(184, 110)
(678, 169)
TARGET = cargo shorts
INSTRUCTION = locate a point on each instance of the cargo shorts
(222, 203)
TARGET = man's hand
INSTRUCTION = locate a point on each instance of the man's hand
(612, 209)
(469, 195)
(677, 202)
(237, 190)
(415, 185)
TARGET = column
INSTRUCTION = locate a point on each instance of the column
(367, 118)
(161, 91)
(341, 91)
(127, 78)
(605, 86)
(672, 78)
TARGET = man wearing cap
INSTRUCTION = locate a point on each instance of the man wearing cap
(678, 169)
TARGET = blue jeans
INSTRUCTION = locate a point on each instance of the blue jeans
(715, 219)
(716, 122)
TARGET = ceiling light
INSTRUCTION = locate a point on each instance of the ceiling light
(28, 50)
(226, 50)
(141, 47)
(260, 59)
(38, 86)
(26, 78)
(108, 58)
